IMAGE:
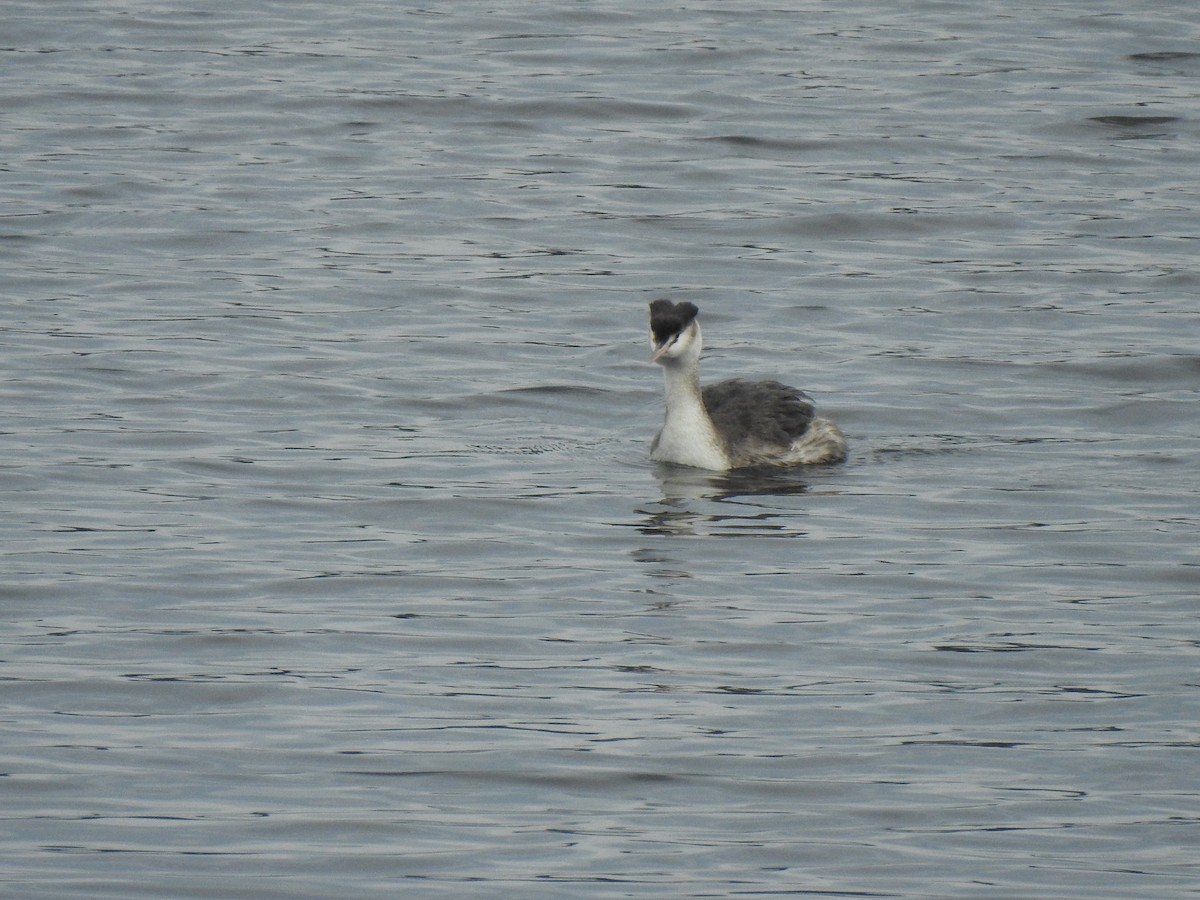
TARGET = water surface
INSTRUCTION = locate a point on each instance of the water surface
(333, 561)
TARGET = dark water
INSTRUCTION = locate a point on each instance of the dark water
(333, 562)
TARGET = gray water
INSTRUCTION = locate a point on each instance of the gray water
(333, 563)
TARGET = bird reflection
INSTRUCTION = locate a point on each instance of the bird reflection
(696, 501)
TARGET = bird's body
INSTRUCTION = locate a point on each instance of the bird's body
(730, 424)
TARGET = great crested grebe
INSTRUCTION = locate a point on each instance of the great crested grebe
(733, 423)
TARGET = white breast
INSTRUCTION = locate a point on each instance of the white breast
(689, 439)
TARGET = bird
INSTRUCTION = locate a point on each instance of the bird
(732, 424)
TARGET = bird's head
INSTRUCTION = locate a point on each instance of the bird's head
(674, 331)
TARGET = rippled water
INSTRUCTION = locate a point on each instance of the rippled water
(333, 562)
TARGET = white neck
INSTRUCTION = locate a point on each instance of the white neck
(688, 436)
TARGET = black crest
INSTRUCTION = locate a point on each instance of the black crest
(667, 318)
